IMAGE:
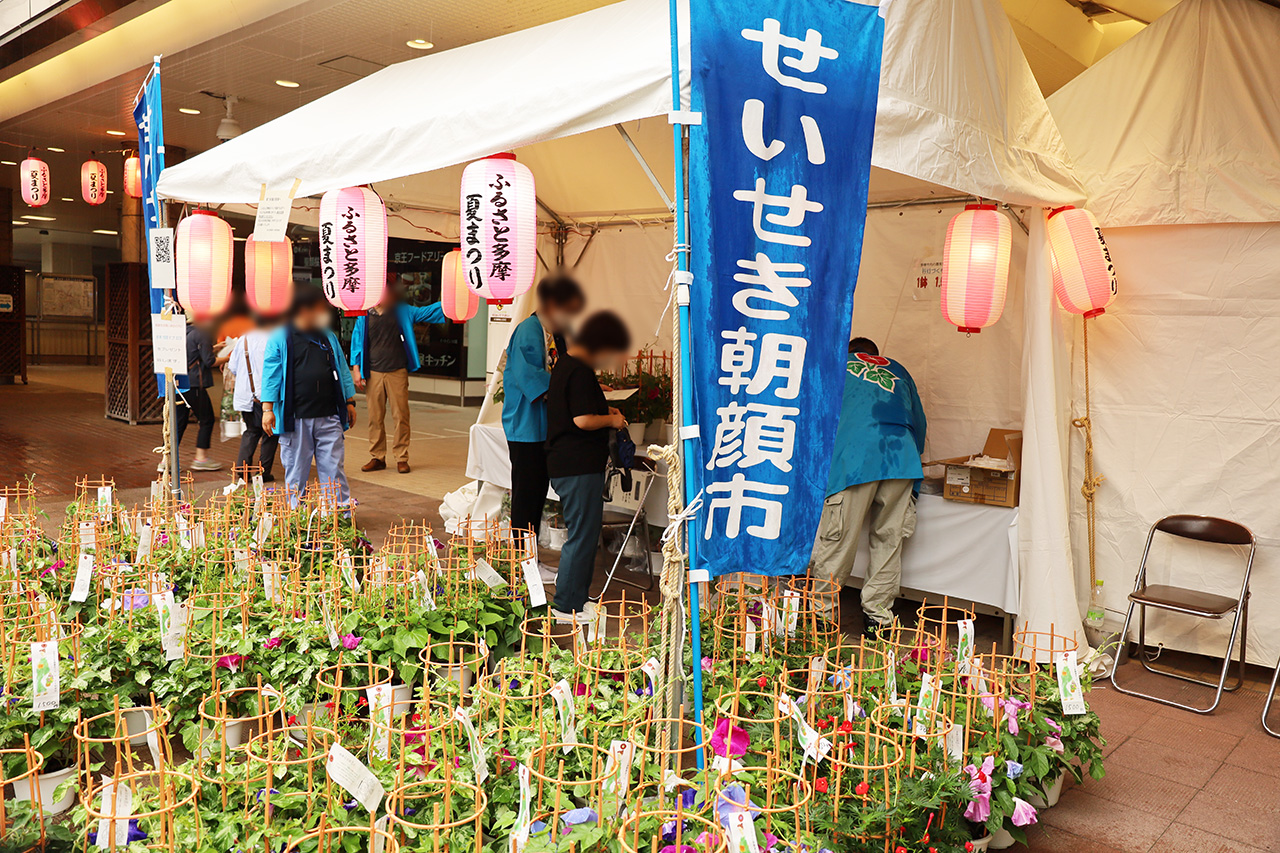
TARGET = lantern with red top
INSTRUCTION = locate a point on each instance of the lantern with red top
(975, 267)
(268, 275)
(133, 176)
(499, 213)
(456, 299)
(93, 180)
(353, 249)
(34, 174)
(1084, 278)
(203, 254)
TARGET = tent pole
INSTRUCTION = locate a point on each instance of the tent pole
(653, 179)
(680, 142)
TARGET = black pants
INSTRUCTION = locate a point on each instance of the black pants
(251, 436)
(198, 399)
(529, 484)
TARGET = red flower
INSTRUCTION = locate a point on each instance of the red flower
(899, 849)
(820, 784)
(968, 846)
(361, 702)
(846, 727)
(822, 725)
(862, 789)
(292, 721)
(762, 682)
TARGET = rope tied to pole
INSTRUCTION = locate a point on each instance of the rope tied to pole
(1092, 481)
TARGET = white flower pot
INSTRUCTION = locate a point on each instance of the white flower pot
(315, 712)
(46, 784)
(232, 735)
(401, 699)
(982, 843)
(556, 537)
(1001, 839)
(136, 722)
(636, 432)
(459, 673)
(1051, 796)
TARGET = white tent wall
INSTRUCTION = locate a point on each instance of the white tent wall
(1184, 392)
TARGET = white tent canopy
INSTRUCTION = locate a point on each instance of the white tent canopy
(959, 113)
(1174, 134)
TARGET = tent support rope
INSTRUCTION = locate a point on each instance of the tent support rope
(1089, 488)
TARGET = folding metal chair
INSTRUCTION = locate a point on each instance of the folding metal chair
(1192, 602)
(1266, 708)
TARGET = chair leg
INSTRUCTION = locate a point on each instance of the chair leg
(1220, 686)
(1266, 707)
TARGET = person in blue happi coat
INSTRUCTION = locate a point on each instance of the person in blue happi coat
(384, 351)
(535, 346)
(308, 398)
(875, 471)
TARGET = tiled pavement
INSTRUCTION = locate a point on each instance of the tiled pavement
(1176, 782)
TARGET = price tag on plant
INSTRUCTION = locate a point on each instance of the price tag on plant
(435, 554)
(328, 625)
(184, 531)
(348, 569)
(146, 538)
(533, 580)
(520, 832)
(790, 615)
(964, 646)
(617, 770)
(271, 580)
(485, 572)
(597, 627)
(955, 742)
(381, 704)
(46, 676)
(750, 641)
(815, 747)
(104, 501)
(925, 703)
(170, 630)
(817, 670)
(257, 485)
(351, 774)
(562, 693)
(84, 575)
(1069, 684)
(531, 544)
(480, 763)
(379, 842)
(891, 678)
(240, 557)
(651, 669)
(423, 588)
(117, 801)
(197, 535)
(4, 508)
(265, 523)
(88, 535)
(742, 833)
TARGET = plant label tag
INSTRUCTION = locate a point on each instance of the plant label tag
(379, 842)
(533, 580)
(487, 573)
(104, 501)
(742, 833)
(88, 535)
(852, 710)
(562, 693)
(126, 522)
(351, 774)
(751, 641)
(484, 649)
(480, 762)
(381, 703)
(376, 572)
(328, 625)
(146, 538)
(964, 646)
(1069, 684)
(531, 544)
(271, 580)
(156, 492)
(184, 531)
(651, 668)
(265, 523)
(617, 770)
(815, 747)
(790, 612)
(891, 678)
(520, 832)
(424, 591)
(817, 670)
(84, 574)
(240, 556)
(348, 570)
(4, 508)
(955, 742)
(924, 703)
(435, 553)
(119, 804)
(597, 628)
(197, 535)
(170, 632)
(257, 485)
(46, 676)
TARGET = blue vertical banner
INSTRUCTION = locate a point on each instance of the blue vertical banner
(149, 118)
(778, 180)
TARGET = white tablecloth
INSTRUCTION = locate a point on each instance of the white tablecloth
(966, 551)
(489, 462)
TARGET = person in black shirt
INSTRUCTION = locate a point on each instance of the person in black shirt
(195, 402)
(578, 424)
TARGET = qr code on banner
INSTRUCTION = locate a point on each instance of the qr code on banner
(163, 249)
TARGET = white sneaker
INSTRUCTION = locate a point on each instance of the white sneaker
(547, 573)
(206, 465)
(583, 617)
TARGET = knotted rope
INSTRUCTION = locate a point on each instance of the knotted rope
(1089, 488)
(166, 432)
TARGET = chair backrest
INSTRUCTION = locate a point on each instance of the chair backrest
(1205, 529)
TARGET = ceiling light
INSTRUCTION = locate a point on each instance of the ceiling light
(68, 199)
(18, 222)
(7, 163)
(111, 192)
(188, 111)
(115, 133)
(106, 231)
(56, 150)
(419, 44)
(35, 218)
(288, 84)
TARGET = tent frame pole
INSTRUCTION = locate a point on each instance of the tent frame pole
(644, 164)
(688, 444)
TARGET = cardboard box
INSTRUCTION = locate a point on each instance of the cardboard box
(992, 477)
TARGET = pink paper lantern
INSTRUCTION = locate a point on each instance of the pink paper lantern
(499, 212)
(203, 257)
(353, 249)
(1083, 276)
(133, 176)
(457, 300)
(268, 276)
(975, 267)
(93, 182)
(34, 176)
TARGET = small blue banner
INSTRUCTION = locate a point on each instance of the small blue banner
(149, 118)
(778, 180)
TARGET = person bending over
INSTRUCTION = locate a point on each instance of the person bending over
(578, 425)
(308, 398)
(535, 346)
(875, 470)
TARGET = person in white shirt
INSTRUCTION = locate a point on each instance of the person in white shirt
(246, 366)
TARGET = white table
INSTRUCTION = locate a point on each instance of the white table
(968, 552)
(489, 462)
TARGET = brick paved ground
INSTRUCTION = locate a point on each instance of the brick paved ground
(1176, 782)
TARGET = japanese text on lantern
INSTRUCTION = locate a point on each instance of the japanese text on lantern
(763, 369)
(474, 253)
(500, 248)
(350, 250)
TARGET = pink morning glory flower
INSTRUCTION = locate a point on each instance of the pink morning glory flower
(1024, 814)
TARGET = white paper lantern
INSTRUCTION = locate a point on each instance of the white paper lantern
(353, 249)
(499, 213)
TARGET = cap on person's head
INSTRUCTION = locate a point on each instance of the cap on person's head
(603, 331)
(559, 289)
(864, 345)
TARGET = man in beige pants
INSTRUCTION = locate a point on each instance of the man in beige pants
(874, 471)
